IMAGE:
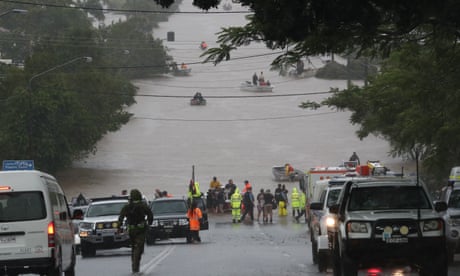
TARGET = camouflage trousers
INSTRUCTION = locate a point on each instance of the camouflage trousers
(137, 237)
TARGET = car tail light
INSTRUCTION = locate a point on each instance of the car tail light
(51, 233)
(374, 272)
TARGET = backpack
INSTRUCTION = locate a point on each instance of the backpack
(135, 214)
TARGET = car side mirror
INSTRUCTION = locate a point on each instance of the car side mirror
(334, 209)
(63, 215)
(440, 206)
(316, 206)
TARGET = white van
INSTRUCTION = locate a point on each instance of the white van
(36, 231)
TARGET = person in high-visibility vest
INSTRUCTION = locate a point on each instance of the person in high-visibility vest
(303, 206)
(235, 200)
(194, 190)
(295, 202)
(194, 215)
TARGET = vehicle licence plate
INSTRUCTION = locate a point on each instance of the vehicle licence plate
(8, 239)
(396, 240)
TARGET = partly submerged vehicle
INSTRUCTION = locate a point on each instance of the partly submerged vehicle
(249, 86)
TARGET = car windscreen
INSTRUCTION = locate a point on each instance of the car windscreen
(20, 206)
(105, 209)
(332, 197)
(388, 197)
(170, 206)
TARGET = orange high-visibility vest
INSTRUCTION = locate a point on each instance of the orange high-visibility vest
(194, 217)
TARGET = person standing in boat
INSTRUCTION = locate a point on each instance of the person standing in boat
(354, 157)
(261, 79)
(255, 79)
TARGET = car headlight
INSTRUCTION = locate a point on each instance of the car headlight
(358, 229)
(183, 221)
(432, 227)
(86, 225)
(84, 234)
(453, 221)
(330, 221)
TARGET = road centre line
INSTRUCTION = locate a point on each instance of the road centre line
(147, 268)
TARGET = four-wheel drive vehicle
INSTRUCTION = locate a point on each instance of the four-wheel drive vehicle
(36, 233)
(170, 219)
(325, 194)
(390, 222)
(320, 217)
(99, 227)
(451, 195)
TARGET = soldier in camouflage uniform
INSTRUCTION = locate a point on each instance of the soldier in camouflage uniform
(136, 212)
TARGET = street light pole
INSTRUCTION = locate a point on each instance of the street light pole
(87, 59)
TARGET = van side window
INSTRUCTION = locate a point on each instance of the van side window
(54, 205)
(22, 206)
(63, 210)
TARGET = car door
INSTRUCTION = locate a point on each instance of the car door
(204, 223)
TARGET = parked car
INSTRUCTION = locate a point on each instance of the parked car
(99, 228)
(451, 195)
(170, 219)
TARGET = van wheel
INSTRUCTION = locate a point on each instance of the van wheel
(314, 251)
(56, 271)
(323, 261)
(71, 270)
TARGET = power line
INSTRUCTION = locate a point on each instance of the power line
(240, 97)
(122, 10)
(236, 120)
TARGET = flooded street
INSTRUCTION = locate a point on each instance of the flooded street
(238, 135)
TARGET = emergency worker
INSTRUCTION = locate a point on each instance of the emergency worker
(303, 206)
(235, 200)
(136, 212)
(295, 202)
(193, 190)
(194, 215)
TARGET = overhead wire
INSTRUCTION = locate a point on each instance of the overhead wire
(122, 10)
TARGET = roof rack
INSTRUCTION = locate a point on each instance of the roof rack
(114, 197)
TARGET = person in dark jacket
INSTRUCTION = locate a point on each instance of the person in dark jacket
(248, 201)
(136, 212)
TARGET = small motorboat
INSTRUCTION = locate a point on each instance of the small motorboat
(279, 174)
(249, 86)
(197, 101)
(182, 71)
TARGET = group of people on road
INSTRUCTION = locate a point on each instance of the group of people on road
(265, 202)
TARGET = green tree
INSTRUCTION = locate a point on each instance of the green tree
(414, 104)
(58, 107)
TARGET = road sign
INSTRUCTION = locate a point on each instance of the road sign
(15, 165)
